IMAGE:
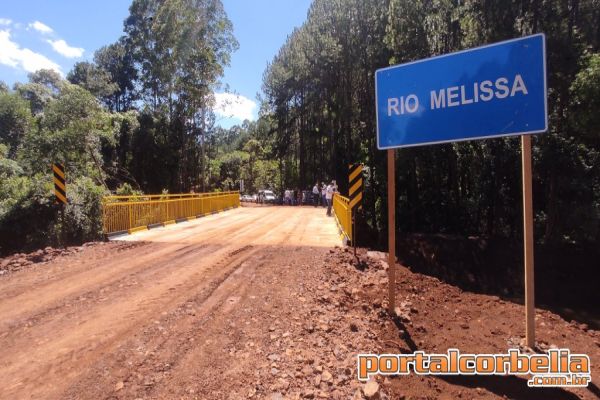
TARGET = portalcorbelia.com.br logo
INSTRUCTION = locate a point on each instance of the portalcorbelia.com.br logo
(556, 368)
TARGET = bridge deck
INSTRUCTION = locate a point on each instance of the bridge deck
(256, 225)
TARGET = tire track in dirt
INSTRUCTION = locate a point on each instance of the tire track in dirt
(68, 288)
(163, 346)
(217, 223)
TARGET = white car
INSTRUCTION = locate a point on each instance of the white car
(266, 196)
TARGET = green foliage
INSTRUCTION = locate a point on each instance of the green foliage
(180, 48)
(94, 79)
(127, 190)
(228, 169)
(12, 185)
(116, 61)
(30, 218)
(47, 78)
(83, 215)
(71, 131)
(43, 86)
(26, 215)
(36, 94)
(15, 121)
(267, 176)
(585, 92)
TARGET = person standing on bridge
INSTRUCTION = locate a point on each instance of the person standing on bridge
(316, 194)
(324, 194)
(286, 197)
(329, 196)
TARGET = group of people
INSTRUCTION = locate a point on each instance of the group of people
(292, 197)
(323, 195)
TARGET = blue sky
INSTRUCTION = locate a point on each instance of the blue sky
(56, 34)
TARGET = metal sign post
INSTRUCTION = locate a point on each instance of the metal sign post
(528, 242)
(391, 172)
(491, 91)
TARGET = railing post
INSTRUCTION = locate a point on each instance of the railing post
(104, 227)
(349, 219)
(130, 216)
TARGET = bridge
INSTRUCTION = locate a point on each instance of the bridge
(248, 226)
(137, 213)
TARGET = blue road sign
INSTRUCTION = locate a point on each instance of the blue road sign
(490, 91)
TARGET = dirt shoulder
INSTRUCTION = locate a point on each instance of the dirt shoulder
(438, 316)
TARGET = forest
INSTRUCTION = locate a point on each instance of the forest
(139, 118)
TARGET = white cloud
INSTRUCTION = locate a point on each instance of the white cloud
(40, 27)
(230, 105)
(13, 55)
(61, 47)
(5, 21)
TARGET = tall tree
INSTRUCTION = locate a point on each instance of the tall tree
(117, 62)
(180, 48)
(95, 80)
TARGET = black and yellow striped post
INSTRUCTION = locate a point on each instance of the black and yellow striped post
(355, 194)
(355, 183)
(60, 194)
(60, 185)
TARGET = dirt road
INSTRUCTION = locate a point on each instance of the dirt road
(86, 324)
(254, 303)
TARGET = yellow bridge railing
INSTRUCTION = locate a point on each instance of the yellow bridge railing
(131, 213)
(343, 215)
